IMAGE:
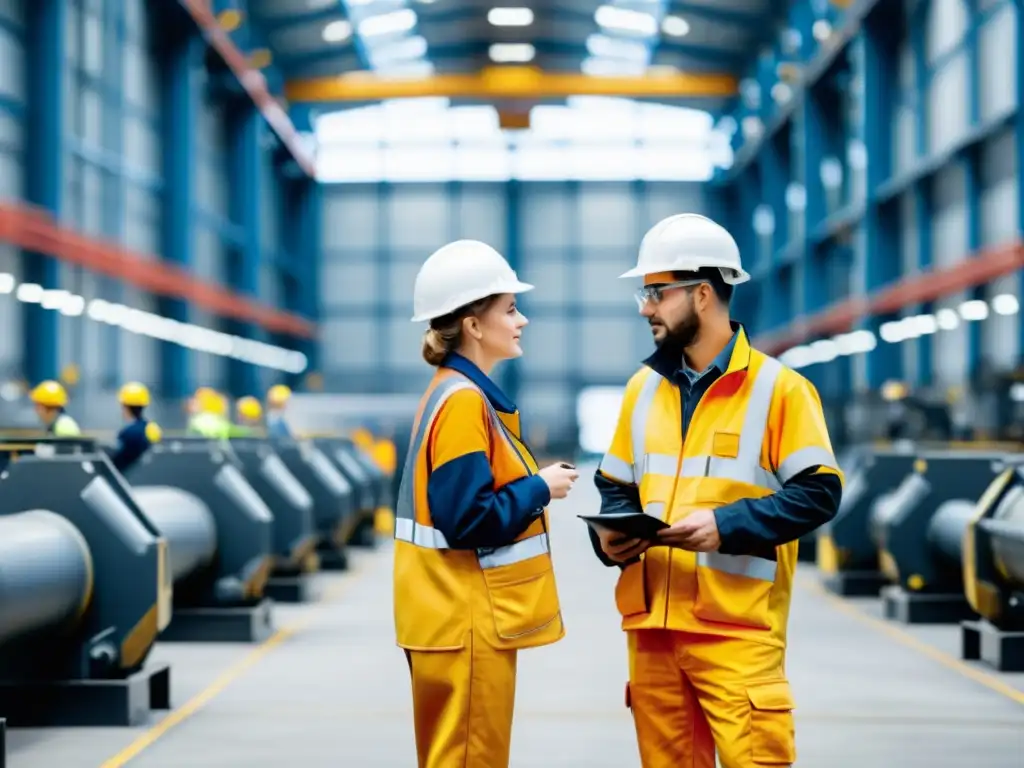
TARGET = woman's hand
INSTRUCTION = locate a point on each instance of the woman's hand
(559, 478)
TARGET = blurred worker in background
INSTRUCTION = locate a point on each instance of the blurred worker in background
(730, 448)
(140, 433)
(473, 574)
(50, 399)
(210, 419)
(277, 400)
(248, 417)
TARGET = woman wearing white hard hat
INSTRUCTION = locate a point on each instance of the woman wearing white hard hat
(473, 573)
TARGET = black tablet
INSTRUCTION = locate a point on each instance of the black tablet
(633, 525)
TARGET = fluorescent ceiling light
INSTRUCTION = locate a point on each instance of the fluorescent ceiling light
(337, 31)
(625, 20)
(402, 51)
(388, 23)
(510, 17)
(506, 53)
(676, 26)
(606, 47)
(597, 66)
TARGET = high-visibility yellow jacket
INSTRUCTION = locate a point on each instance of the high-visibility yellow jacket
(472, 553)
(757, 427)
(64, 426)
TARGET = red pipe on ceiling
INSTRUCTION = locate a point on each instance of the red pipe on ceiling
(33, 230)
(251, 80)
(933, 284)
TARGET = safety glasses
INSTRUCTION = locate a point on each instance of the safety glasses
(653, 293)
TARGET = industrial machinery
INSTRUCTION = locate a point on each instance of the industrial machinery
(85, 587)
(993, 572)
(333, 503)
(369, 483)
(918, 531)
(847, 555)
(295, 537)
(194, 493)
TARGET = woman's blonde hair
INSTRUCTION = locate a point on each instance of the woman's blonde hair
(444, 335)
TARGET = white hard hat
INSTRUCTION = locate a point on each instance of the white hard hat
(688, 242)
(458, 274)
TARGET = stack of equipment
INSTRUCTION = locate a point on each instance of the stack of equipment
(295, 536)
(333, 504)
(193, 484)
(367, 480)
(847, 555)
(85, 588)
(918, 532)
(994, 575)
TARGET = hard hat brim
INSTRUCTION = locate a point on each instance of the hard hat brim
(513, 286)
(740, 276)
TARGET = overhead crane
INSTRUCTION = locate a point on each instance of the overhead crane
(509, 83)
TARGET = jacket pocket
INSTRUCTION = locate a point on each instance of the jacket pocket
(631, 590)
(734, 589)
(524, 597)
(772, 734)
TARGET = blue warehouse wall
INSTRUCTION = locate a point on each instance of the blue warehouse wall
(12, 175)
(901, 158)
(571, 240)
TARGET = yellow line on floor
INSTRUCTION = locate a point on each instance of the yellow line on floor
(903, 637)
(233, 673)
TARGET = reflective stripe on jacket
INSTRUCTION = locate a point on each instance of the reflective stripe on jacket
(439, 593)
(757, 426)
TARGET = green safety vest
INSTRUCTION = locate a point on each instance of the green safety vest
(210, 425)
(65, 426)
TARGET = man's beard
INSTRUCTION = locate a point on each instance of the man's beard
(677, 339)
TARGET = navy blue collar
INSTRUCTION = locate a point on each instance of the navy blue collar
(498, 399)
(669, 366)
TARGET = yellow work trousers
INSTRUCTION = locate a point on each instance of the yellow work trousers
(691, 694)
(462, 706)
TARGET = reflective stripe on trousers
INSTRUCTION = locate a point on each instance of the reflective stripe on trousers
(428, 537)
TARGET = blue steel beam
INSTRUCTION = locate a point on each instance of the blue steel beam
(114, 184)
(881, 236)
(512, 373)
(44, 174)
(244, 124)
(1018, 66)
(311, 259)
(972, 181)
(180, 92)
(922, 189)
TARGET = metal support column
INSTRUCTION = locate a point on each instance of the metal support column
(511, 381)
(308, 253)
(922, 188)
(243, 128)
(1018, 67)
(881, 234)
(180, 115)
(973, 184)
(44, 175)
(811, 287)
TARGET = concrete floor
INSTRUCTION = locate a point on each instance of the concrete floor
(333, 690)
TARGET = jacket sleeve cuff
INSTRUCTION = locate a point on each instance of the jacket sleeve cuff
(537, 492)
(729, 519)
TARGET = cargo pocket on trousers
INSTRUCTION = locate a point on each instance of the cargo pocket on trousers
(522, 602)
(772, 733)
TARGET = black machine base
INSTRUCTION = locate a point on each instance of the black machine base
(74, 703)
(333, 559)
(3, 743)
(291, 589)
(249, 624)
(807, 551)
(980, 641)
(854, 583)
(917, 608)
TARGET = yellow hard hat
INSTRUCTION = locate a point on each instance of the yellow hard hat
(278, 394)
(362, 437)
(50, 394)
(210, 401)
(249, 408)
(134, 394)
(153, 432)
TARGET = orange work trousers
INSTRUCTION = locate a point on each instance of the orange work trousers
(462, 705)
(692, 695)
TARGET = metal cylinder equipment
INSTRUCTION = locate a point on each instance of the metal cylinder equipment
(46, 574)
(185, 522)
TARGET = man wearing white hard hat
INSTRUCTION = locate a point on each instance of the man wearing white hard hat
(473, 578)
(729, 448)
